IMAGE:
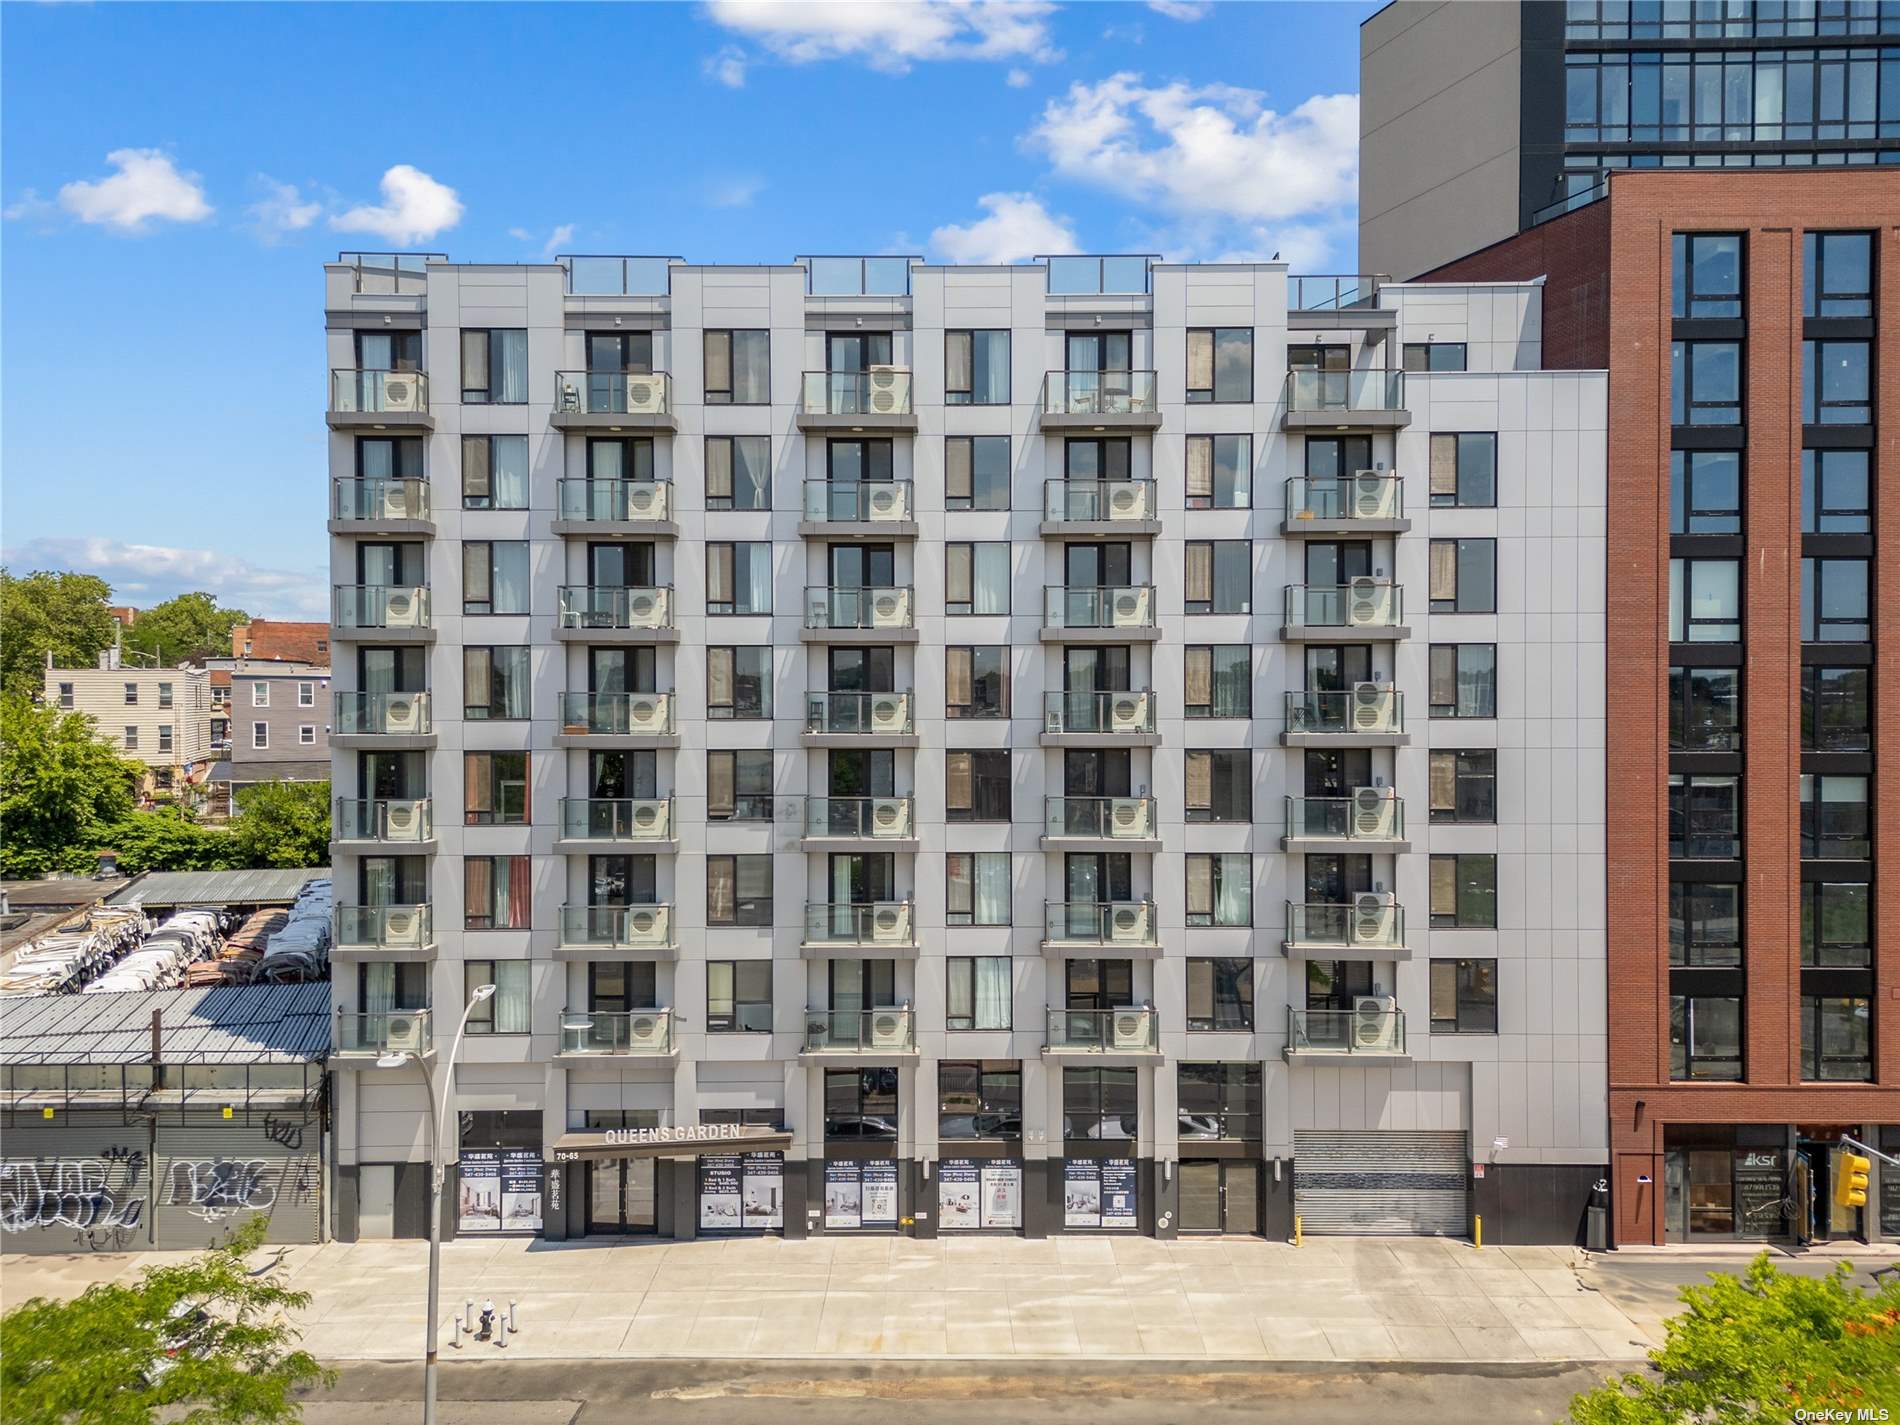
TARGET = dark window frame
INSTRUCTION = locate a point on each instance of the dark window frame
(1218, 393)
(1464, 884)
(1474, 995)
(1228, 990)
(1488, 703)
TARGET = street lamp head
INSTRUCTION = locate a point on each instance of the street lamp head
(482, 992)
(393, 1061)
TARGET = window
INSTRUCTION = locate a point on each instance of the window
(1219, 364)
(861, 1104)
(1219, 472)
(1837, 924)
(739, 890)
(1220, 994)
(1836, 709)
(260, 694)
(739, 785)
(306, 735)
(1218, 1101)
(1705, 817)
(1220, 889)
(976, 682)
(1219, 680)
(982, 1099)
(1100, 1105)
(1219, 576)
(1836, 1039)
(1705, 923)
(1834, 601)
(495, 576)
(739, 578)
(978, 992)
(494, 788)
(738, 683)
(1705, 492)
(1836, 383)
(497, 892)
(1834, 818)
(1705, 601)
(131, 738)
(1705, 383)
(976, 578)
(1464, 576)
(1464, 469)
(976, 368)
(506, 1010)
(1464, 785)
(165, 695)
(65, 695)
(1464, 996)
(1835, 492)
(976, 472)
(306, 695)
(495, 367)
(738, 996)
(1464, 892)
(494, 472)
(976, 890)
(1705, 709)
(260, 736)
(738, 472)
(1464, 680)
(1837, 274)
(1432, 356)
(495, 682)
(1705, 275)
(165, 736)
(1220, 786)
(976, 785)
(738, 368)
(1705, 1037)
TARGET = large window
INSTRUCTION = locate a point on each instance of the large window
(979, 1099)
(494, 472)
(1836, 383)
(1464, 892)
(1836, 497)
(1834, 600)
(1219, 472)
(976, 888)
(494, 788)
(1220, 786)
(1705, 275)
(495, 367)
(976, 578)
(506, 1011)
(495, 576)
(739, 785)
(1705, 492)
(1219, 680)
(1218, 1101)
(1705, 818)
(1220, 888)
(739, 578)
(1705, 601)
(1837, 924)
(978, 992)
(1464, 680)
(976, 681)
(738, 996)
(1464, 785)
(738, 368)
(1836, 1039)
(1705, 709)
(739, 890)
(1220, 994)
(1100, 1104)
(1836, 709)
(738, 472)
(1432, 356)
(1837, 269)
(1219, 364)
(1705, 383)
(1464, 576)
(976, 368)
(1705, 923)
(1705, 1037)
(976, 785)
(1464, 996)
(1464, 469)
(1835, 820)
(739, 683)
(861, 1104)
(976, 472)
(1219, 576)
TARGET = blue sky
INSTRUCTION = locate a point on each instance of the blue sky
(172, 177)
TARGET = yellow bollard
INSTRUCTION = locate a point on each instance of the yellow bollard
(1298, 1240)
(1477, 1232)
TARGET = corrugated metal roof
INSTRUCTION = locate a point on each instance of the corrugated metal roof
(221, 1024)
(163, 889)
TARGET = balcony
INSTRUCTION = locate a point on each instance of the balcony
(371, 1035)
(861, 509)
(379, 400)
(1365, 715)
(585, 1033)
(1366, 610)
(1097, 615)
(1372, 819)
(384, 822)
(879, 927)
(1091, 719)
(384, 932)
(616, 720)
(859, 615)
(378, 506)
(1132, 1030)
(1371, 926)
(1099, 400)
(1358, 400)
(616, 932)
(877, 399)
(613, 400)
(1100, 823)
(392, 721)
(1367, 502)
(615, 614)
(1126, 927)
(380, 613)
(888, 1031)
(1332, 302)
(841, 823)
(608, 508)
(608, 823)
(1073, 509)
(859, 720)
(1372, 1035)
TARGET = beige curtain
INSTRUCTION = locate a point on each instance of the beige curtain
(1200, 885)
(1444, 885)
(475, 361)
(1200, 780)
(719, 467)
(1200, 573)
(1443, 691)
(719, 677)
(1444, 781)
(1444, 569)
(477, 675)
(1200, 467)
(956, 361)
(1444, 470)
(720, 893)
(719, 778)
(956, 468)
(1200, 677)
(719, 573)
(958, 682)
(1200, 361)
(958, 781)
(475, 473)
(719, 361)
(956, 573)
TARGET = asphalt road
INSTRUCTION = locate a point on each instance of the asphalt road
(1648, 1288)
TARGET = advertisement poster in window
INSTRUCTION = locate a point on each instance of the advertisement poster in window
(959, 1195)
(719, 1178)
(764, 1191)
(480, 1191)
(842, 1195)
(1002, 1195)
(1118, 1192)
(1081, 1193)
(880, 1193)
(520, 1190)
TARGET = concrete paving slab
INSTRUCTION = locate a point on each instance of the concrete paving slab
(1426, 1343)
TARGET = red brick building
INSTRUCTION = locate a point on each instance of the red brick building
(283, 642)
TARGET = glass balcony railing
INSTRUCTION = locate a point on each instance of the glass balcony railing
(1364, 603)
(379, 499)
(1131, 1030)
(857, 923)
(885, 276)
(1080, 501)
(1365, 1030)
(612, 393)
(391, 274)
(392, 1031)
(1130, 818)
(880, 391)
(613, 501)
(383, 819)
(856, 501)
(858, 608)
(1099, 922)
(1117, 274)
(1368, 495)
(1371, 920)
(380, 606)
(376, 393)
(1098, 393)
(1129, 712)
(390, 927)
(616, 818)
(613, 606)
(614, 276)
(858, 712)
(873, 818)
(1125, 606)
(1369, 814)
(1345, 390)
(1332, 293)
(860, 1031)
(382, 714)
(621, 927)
(1364, 708)
(616, 714)
(631, 1031)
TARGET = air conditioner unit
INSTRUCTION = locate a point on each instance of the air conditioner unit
(890, 816)
(396, 501)
(1367, 602)
(890, 608)
(887, 1029)
(1128, 817)
(1375, 813)
(402, 927)
(402, 714)
(1374, 919)
(1373, 708)
(1375, 1022)
(1128, 1027)
(1128, 924)
(405, 1032)
(646, 500)
(401, 820)
(1128, 712)
(889, 712)
(1125, 502)
(646, 713)
(884, 502)
(889, 390)
(402, 608)
(890, 924)
(646, 395)
(646, 925)
(1373, 495)
(401, 391)
(644, 608)
(646, 1031)
(649, 819)
(1128, 608)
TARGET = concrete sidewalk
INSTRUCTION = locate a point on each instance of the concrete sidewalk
(1230, 1299)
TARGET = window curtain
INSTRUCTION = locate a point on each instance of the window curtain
(511, 349)
(758, 578)
(1200, 361)
(478, 787)
(719, 361)
(1200, 781)
(961, 995)
(511, 577)
(510, 472)
(719, 457)
(719, 677)
(1200, 573)
(476, 484)
(478, 891)
(1234, 903)
(476, 585)
(1444, 467)
(511, 666)
(475, 361)
(957, 453)
(477, 681)
(992, 992)
(958, 791)
(720, 891)
(992, 888)
(992, 579)
(751, 475)
(1236, 466)
(1444, 885)
(520, 892)
(958, 362)
(512, 998)
(1200, 467)
(1233, 577)
(957, 559)
(957, 678)
(1444, 569)
(1199, 677)
(719, 788)
(1200, 886)
(379, 988)
(990, 383)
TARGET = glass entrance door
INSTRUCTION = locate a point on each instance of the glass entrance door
(620, 1196)
(1220, 1195)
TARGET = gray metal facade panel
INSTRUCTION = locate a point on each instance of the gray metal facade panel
(1380, 1182)
(75, 1183)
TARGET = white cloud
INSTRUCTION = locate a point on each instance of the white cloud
(1017, 79)
(1016, 226)
(559, 238)
(146, 186)
(282, 210)
(1186, 11)
(728, 66)
(147, 574)
(29, 207)
(735, 192)
(891, 37)
(414, 209)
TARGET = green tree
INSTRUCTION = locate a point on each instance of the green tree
(283, 824)
(60, 786)
(47, 612)
(1753, 1350)
(188, 626)
(102, 1358)
(167, 840)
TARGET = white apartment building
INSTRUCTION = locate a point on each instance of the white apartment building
(1088, 745)
(159, 716)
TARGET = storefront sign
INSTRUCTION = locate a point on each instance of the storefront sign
(1760, 1185)
(880, 1193)
(975, 1193)
(480, 1179)
(1098, 1192)
(719, 1180)
(520, 1190)
(843, 1193)
(667, 1142)
(688, 1133)
(762, 1203)
(861, 1193)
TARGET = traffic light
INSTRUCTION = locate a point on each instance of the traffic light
(1850, 1183)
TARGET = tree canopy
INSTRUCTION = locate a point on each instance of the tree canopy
(283, 824)
(50, 612)
(60, 788)
(188, 626)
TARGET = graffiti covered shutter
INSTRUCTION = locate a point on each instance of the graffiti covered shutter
(215, 1174)
(78, 1182)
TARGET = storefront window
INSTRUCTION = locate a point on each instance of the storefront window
(980, 1099)
(861, 1104)
(499, 1173)
(861, 1193)
(1726, 1182)
(1219, 1100)
(1100, 1104)
(741, 1192)
(1099, 1192)
(979, 1194)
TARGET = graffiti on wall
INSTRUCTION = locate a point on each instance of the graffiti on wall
(75, 1193)
(215, 1189)
(283, 1132)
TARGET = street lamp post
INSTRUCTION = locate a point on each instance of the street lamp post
(438, 1130)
